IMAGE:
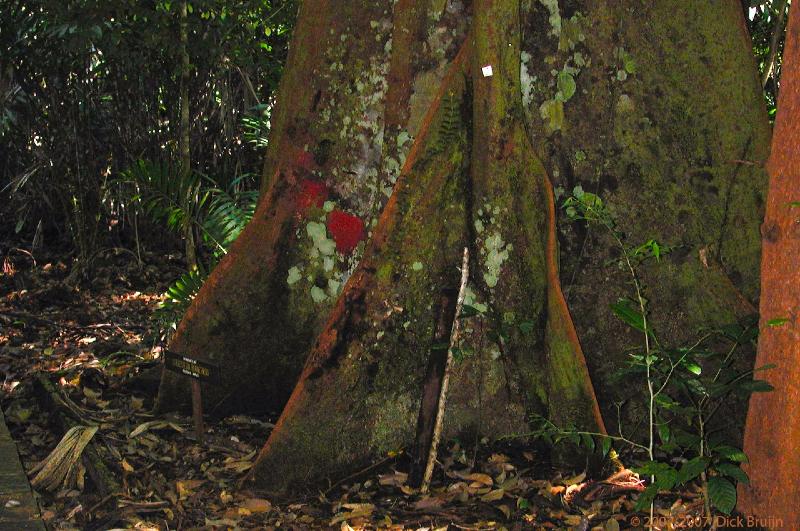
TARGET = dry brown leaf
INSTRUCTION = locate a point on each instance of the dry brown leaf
(257, 505)
(359, 510)
(397, 479)
(573, 519)
(506, 510)
(574, 479)
(494, 495)
(427, 504)
(510, 484)
(186, 487)
(486, 479)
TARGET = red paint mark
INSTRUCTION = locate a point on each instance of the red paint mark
(312, 194)
(347, 230)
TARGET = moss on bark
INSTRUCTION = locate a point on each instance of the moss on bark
(667, 126)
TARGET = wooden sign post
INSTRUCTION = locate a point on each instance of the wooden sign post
(196, 370)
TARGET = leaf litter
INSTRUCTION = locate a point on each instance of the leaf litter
(96, 344)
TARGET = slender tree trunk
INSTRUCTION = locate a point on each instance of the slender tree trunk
(185, 153)
(772, 434)
(391, 150)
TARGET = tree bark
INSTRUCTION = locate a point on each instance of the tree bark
(389, 100)
(772, 434)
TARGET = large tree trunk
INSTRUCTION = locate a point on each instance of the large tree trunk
(772, 435)
(374, 87)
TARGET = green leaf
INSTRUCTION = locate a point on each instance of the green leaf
(692, 468)
(605, 446)
(765, 367)
(693, 368)
(629, 315)
(733, 471)
(757, 386)
(666, 476)
(778, 321)
(664, 433)
(731, 453)
(468, 311)
(646, 497)
(722, 494)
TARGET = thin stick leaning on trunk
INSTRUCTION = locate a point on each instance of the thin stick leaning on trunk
(437, 430)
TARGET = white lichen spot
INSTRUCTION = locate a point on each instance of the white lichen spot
(317, 294)
(333, 287)
(294, 275)
(555, 16)
(319, 235)
(495, 252)
(402, 138)
(552, 112)
(471, 299)
(525, 78)
(625, 104)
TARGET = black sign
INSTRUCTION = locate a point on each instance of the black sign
(201, 370)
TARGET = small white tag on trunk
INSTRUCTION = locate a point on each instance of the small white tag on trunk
(487, 71)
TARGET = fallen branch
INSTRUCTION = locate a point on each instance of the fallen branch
(437, 432)
(64, 419)
(62, 468)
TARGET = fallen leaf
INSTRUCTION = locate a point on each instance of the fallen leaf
(186, 487)
(494, 495)
(481, 478)
(429, 503)
(506, 510)
(574, 479)
(397, 479)
(154, 425)
(257, 505)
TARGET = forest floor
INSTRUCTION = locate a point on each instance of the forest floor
(88, 356)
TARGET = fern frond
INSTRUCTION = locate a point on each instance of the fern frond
(228, 213)
(167, 196)
(449, 123)
(178, 297)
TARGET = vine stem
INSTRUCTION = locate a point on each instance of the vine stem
(437, 429)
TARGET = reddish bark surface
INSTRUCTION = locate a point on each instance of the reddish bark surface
(772, 434)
